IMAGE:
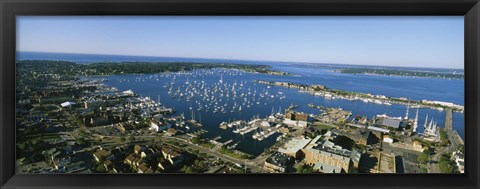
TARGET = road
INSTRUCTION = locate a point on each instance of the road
(433, 166)
(255, 167)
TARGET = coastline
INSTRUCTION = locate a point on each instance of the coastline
(321, 90)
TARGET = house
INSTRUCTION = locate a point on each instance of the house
(147, 152)
(133, 160)
(459, 158)
(318, 87)
(101, 154)
(173, 156)
(137, 149)
(108, 165)
(171, 132)
(143, 168)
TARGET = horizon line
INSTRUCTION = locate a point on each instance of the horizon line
(157, 56)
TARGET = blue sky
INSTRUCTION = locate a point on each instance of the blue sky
(435, 41)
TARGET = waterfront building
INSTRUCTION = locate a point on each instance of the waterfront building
(294, 146)
(392, 122)
(296, 116)
(295, 123)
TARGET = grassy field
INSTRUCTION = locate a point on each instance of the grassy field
(231, 153)
(207, 145)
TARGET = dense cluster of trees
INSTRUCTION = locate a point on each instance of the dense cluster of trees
(446, 164)
(396, 72)
(424, 157)
(443, 137)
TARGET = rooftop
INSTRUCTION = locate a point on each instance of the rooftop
(326, 168)
(294, 145)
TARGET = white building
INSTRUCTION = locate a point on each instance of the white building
(67, 104)
(128, 93)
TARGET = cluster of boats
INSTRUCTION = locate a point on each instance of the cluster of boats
(208, 90)
(243, 127)
(262, 127)
(264, 134)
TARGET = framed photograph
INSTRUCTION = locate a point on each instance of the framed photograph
(239, 94)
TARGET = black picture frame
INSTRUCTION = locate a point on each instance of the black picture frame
(470, 9)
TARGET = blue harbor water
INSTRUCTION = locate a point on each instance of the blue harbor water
(228, 90)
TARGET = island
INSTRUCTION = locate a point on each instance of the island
(398, 72)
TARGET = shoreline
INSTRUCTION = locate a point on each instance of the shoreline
(322, 90)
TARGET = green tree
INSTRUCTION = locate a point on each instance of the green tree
(423, 157)
(445, 164)
(304, 169)
(300, 169)
(189, 170)
(198, 163)
(100, 169)
(196, 140)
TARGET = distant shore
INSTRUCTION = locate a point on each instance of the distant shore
(401, 73)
